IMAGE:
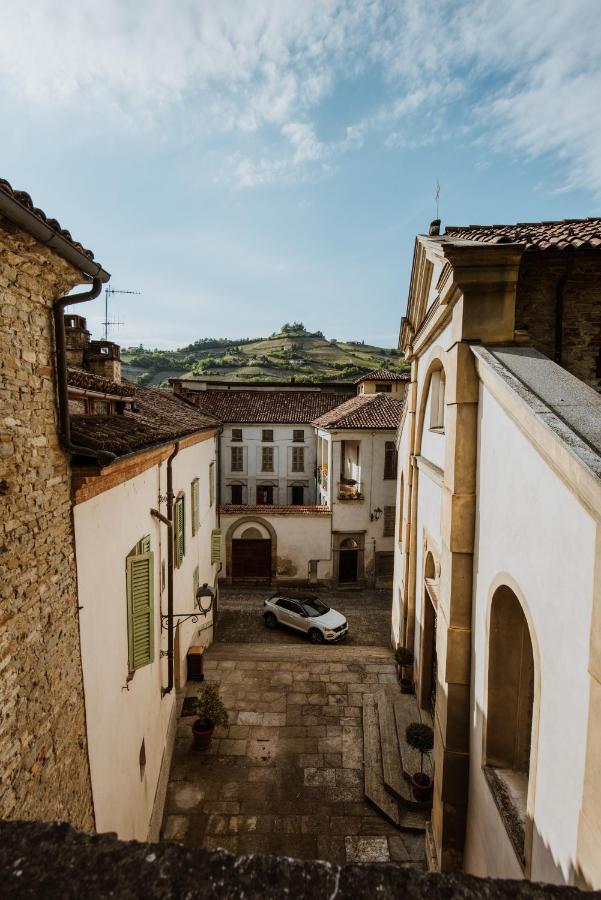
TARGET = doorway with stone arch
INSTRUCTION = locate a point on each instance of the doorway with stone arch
(348, 564)
(250, 550)
(428, 663)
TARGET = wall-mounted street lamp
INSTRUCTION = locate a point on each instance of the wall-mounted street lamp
(375, 515)
(205, 598)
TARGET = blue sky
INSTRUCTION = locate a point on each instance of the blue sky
(247, 163)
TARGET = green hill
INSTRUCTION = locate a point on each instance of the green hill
(293, 352)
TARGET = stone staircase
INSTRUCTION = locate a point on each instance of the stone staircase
(389, 762)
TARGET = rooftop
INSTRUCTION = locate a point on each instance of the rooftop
(267, 407)
(25, 200)
(555, 235)
(371, 411)
(383, 375)
(157, 416)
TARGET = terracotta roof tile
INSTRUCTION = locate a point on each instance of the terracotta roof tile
(556, 235)
(370, 411)
(25, 200)
(275, 510)
(267, 407)
(159, 416)
(383, 375)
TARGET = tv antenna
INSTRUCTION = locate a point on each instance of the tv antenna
(437, 198)
(107, 322)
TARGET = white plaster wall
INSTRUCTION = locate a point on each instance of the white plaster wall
(428, 524)
(282, 477)
(300, 538)
(120, 714)
(532, 527)
(401, 517)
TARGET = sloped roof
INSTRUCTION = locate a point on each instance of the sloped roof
(159, 416)
(553, 235)
(25, 200)
(267, 407)
(370, 411)
(383, 375)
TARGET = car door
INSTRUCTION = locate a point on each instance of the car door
(298, 619)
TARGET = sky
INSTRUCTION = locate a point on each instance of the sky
(243, 164)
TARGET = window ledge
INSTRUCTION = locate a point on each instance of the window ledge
(507, 787)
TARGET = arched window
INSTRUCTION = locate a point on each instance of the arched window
(437, 399)
(349, 544)
(509, 712)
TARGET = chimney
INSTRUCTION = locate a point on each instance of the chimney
(434, 229)
(104, 358)
(77, 339)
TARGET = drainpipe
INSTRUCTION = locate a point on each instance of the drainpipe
(168, 521)
(103, 456)
(559, 304)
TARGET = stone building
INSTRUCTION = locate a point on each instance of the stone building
(44, 771)
(497, 587)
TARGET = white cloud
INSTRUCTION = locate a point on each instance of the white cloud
(524, 76)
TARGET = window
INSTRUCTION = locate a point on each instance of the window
(298, 435)
(237, 459)
(267, 459)
(388, 521)
(236, 434)
(437, 405)
(212, 483)
(298, 459)
(236, 490)
(267, 436)
(264, 495)
(140, 607)
(195, 584)
(194, 498)
(298, 495)
(390, 460)
(179, 535)
(383, 388)
(216, 545)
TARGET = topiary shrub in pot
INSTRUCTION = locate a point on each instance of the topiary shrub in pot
(404, 658)
(211, 712)
(421, 737)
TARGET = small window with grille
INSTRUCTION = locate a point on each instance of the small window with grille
(236, 434)
(267, 437)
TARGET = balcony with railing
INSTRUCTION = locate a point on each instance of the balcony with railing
(349, 489)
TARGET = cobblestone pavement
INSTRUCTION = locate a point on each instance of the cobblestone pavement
(286, 776)
(241, 620)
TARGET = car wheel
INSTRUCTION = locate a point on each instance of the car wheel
(315, 636)
(270, 620)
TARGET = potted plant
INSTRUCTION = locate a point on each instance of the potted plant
(404, 658)
(421, 737)
(211, 712)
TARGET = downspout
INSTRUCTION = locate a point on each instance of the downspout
(559, 306)
(64, 423)
(168, 521)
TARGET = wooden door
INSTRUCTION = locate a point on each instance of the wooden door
(347, 567)
(251, 560)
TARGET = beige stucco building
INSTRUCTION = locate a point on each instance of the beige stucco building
(497, 558)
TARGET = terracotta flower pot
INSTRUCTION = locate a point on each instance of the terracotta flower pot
(202, 735)
(422, 786)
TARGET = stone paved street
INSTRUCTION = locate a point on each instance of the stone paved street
(241, 621)
(286, 776)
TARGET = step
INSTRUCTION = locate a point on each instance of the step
(394, 778)
(406, 711)
(375, 789)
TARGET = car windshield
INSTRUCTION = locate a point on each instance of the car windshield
(314, 607)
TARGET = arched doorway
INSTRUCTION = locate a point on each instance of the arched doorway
(429, 667)
(348, 566)
(251, 554)
(509, 715)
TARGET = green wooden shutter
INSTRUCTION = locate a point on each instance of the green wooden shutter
(195, 584)
(143, 546)
(211, 483)
(140, 610)
(195, 505)
(179, 537)
(216, 545)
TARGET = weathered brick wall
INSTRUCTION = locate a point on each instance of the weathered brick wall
(535, 311)
(43, 754)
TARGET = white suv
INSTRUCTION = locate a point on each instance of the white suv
(306, 614)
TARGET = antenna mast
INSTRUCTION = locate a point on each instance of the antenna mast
(437, 196)
(107, 323)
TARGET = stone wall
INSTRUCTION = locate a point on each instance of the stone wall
(535, 308)
(43, 753)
